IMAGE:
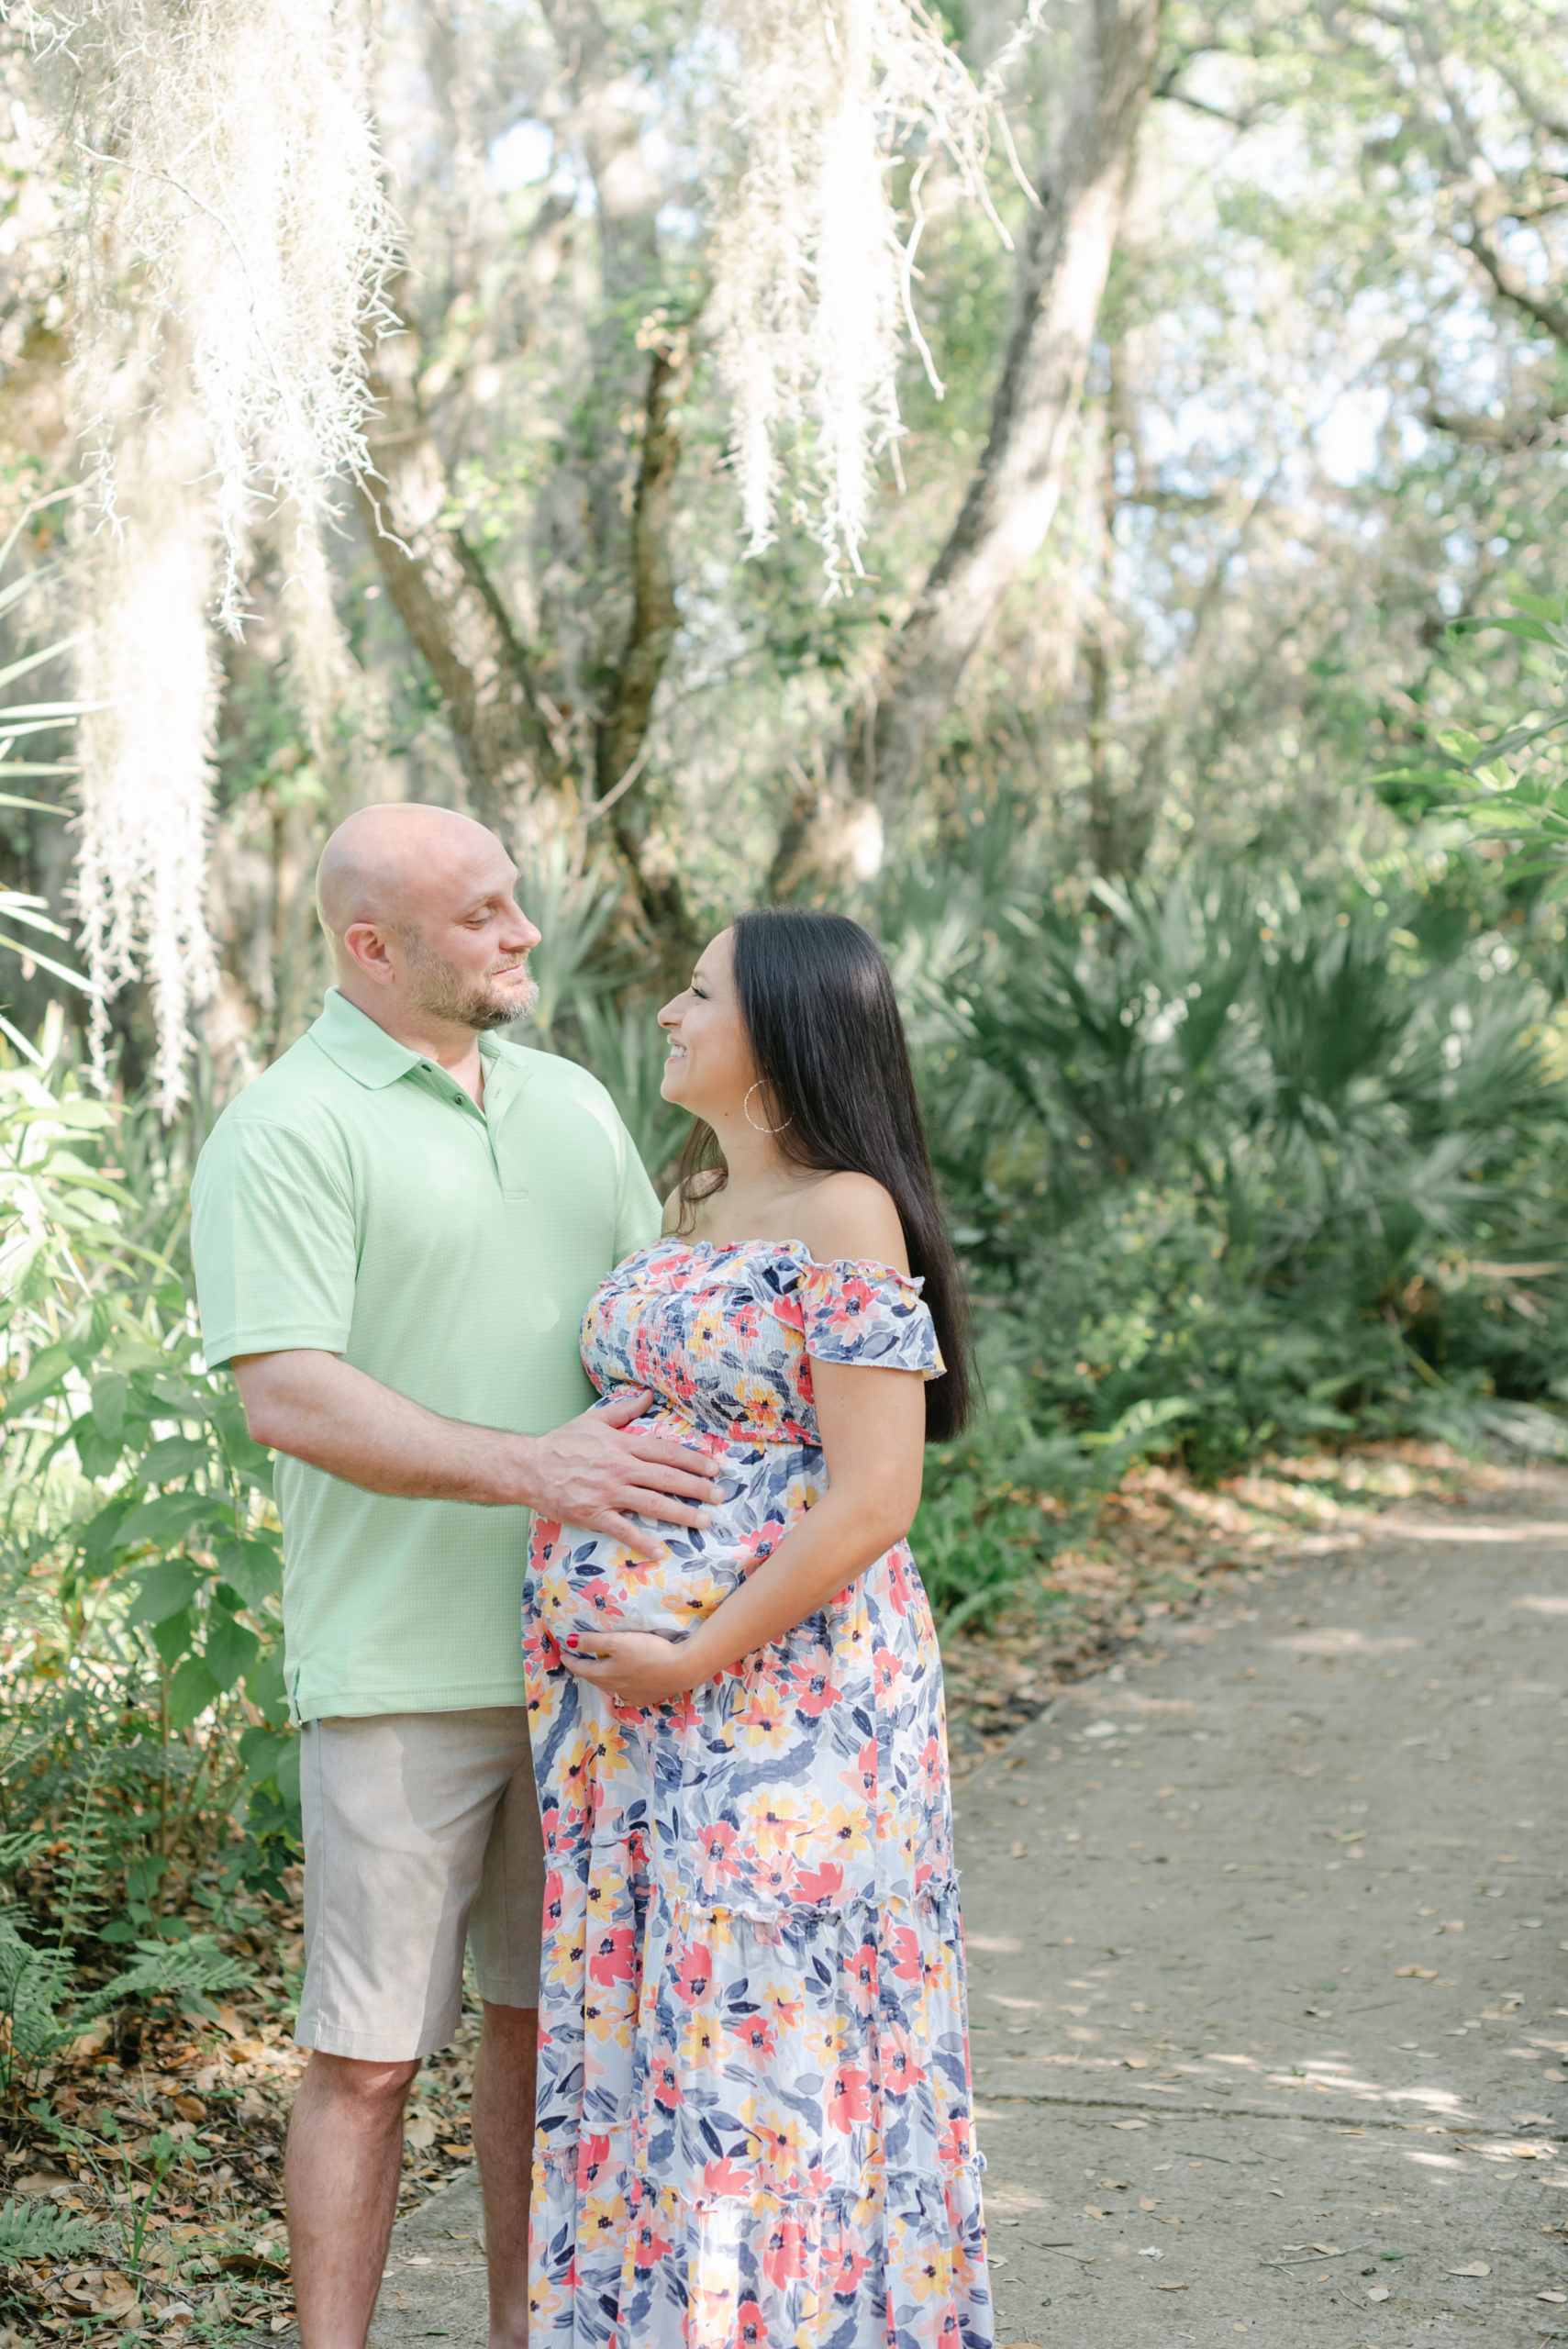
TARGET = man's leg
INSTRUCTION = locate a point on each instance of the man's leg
(345, 2150)
(503, 2142)
(399, 1810)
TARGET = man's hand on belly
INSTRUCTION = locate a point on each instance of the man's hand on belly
(596, 1467)
(318, 1408)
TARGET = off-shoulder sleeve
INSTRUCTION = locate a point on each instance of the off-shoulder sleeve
(867, 1314)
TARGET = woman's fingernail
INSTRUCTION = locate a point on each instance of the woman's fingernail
(571, 1640)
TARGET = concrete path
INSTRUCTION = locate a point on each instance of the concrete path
(1267, 1931)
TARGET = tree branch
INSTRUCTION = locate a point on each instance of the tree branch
(446, 601)
(1012, 493)
(623, 737)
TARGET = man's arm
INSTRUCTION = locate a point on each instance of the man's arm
(319, 1409)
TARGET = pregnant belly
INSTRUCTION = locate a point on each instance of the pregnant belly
(578, 1579)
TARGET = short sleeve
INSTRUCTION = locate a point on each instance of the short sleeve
(274, 1243)
(638, 1213)
(869, 1315)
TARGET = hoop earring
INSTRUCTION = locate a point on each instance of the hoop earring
(750, 1121)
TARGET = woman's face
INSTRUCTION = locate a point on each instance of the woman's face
(710, 1069)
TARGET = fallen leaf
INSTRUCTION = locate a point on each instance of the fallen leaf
(1378, 2292)
(419, 2131)
(1147, 2203)
(1129, 2124)
(1475, 2267)
(1167, 2287)
(1421, 1973)
(1558, 2300)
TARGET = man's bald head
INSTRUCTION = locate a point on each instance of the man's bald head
(417, 902)
(386, 864)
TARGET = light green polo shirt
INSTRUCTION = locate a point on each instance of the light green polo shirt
(355, 1198)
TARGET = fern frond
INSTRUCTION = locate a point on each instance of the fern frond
(183, 1970)
(37, 2231)
(19, 1851)
(33, 1985)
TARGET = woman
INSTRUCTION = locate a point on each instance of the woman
(755, 2101)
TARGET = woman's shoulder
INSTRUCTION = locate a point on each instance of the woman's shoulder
(851, 1218)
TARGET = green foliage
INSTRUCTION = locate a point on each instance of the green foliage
(148, 1770)
(1234, 1167)
(37, 2231)
(1508, 780)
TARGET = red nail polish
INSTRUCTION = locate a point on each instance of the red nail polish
(571, 1640)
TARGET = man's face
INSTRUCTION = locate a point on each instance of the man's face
(464, 940)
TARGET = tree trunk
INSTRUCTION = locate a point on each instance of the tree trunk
(446, 601)
(1012, 493)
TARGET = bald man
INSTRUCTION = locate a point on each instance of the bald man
(396, 1229)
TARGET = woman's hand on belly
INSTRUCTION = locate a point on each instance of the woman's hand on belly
(632, 1668)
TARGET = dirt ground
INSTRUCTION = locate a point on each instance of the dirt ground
(1267, 1931)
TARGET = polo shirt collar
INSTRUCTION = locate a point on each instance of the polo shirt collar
(366, 1052)
(361, 1049)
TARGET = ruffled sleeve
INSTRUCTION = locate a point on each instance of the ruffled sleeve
(863, 1313)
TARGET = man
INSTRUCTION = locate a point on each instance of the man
(396, 1229)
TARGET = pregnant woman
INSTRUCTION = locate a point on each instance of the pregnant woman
(754, 2112)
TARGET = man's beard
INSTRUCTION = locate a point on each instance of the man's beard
(440, 989)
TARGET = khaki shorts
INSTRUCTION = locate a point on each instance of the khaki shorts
(421, 1833)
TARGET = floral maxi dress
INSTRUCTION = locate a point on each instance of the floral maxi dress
(754, 2113)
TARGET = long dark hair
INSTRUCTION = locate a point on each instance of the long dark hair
(828, 1043)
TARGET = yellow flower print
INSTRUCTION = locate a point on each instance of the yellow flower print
(776, 1825)
(566, 1958)
(701, 2043)
(844, 1831)
(826, 2036)
(774, 2140)
(787, 2012)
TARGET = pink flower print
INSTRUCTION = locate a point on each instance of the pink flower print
(759, 1544)
(612, 1956)
(813, 1691)
(901, 2065)
(554, 1898)
(596, 1597)
(783, 2253)
(719, 1865)
(863, 1976)
(728, 2176)
(757, 2035)
(774, 1875)
(889, 1671)
(593, 2156)
(860, 1778)
(850, 2099)
(666, 2079)
(855, 1299)
(906, 1952)
(648, 2246)
(750, 2326)
(820, 1886)
(846, 2269)
(693, 1976)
